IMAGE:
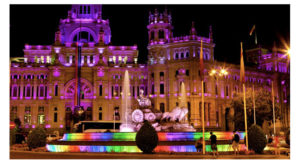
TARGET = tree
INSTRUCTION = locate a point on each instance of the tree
(17, 122)
(263, 108)
(146, 138)
(257, 139)
(37, 138)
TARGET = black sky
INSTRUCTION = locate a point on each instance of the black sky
(36, 24)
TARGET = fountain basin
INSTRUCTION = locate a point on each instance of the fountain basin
(125, 142)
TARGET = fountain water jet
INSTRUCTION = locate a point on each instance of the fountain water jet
(126, 125)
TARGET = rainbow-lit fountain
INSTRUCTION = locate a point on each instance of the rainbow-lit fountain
(174, 132)
(125, 142)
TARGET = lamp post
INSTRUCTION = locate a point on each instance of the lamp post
(218, 73)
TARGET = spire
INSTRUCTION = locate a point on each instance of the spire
(57, 38)
(210, 34)
(101, 36)
(274, 49)
(193, 29)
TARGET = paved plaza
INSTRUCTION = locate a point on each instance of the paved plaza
(48, 155)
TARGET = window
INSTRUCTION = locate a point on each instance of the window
(41, 119)
(216, 89)
(15, 90)
(182, 55)
(187, 72)
(133, 91)
(116, 90)
(176, 56)
(41, 91)
(48, 59)
(56, 90)
(162, 107)
(13, 113)
(226, 91)
(55, 117)
(117, 114)
(28, 91)
(200, 109)
(88, 9)
(45, 91)
(161, 75)
(112, 91)
(100, 113)
(152, 75)
(37, 91)
(161, 89)
(189, 111)
(208, 113)
(41, 109)
(27, 115)
(152, 90)
(100, 90)
(41, 115)
(187, 54)
(204, 87)
(161, 34)
(24, 91)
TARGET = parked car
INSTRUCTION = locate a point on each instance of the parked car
(52, 137)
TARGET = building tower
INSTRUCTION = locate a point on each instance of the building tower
(160, 27)
(84, 20)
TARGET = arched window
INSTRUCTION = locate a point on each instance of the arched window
(182, 55)
(176, 56)
(187, 54)
(83, 36)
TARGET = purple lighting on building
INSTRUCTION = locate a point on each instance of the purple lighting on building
(57, 50)
(56, 73)
(48, 126)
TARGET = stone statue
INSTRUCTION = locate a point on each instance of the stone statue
(143, 101)
(177, 114)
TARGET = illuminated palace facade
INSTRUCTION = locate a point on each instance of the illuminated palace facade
(43, 82)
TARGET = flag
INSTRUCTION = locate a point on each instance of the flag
(201, 62)
(252, 29)
(242, 71)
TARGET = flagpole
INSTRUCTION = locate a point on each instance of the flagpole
(245, 112)
(254, 105)
(202, 95)
(273, 104)
(242, 79)
(203, 128)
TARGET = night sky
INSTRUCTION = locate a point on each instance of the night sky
(37, 24)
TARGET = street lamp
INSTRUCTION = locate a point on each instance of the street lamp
(221, 72)
(217, 73)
